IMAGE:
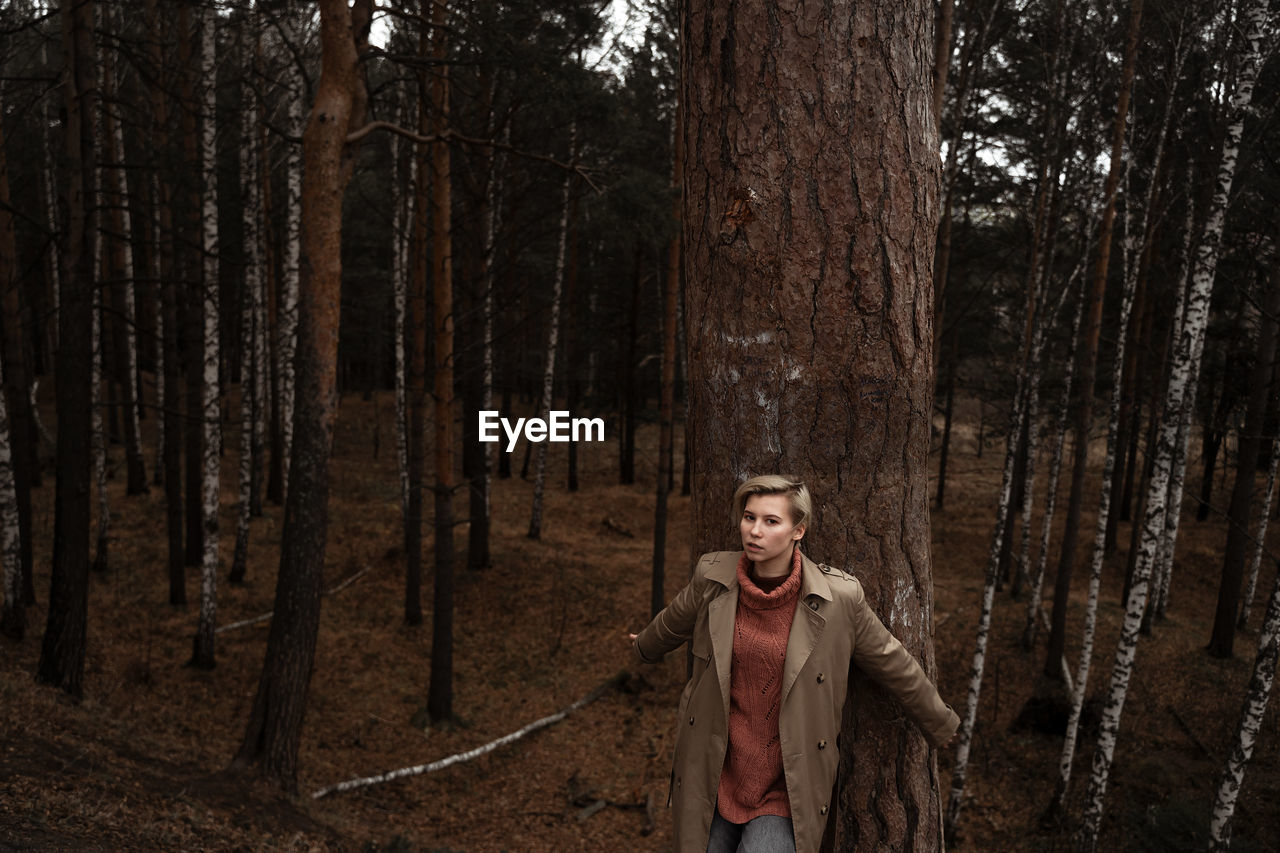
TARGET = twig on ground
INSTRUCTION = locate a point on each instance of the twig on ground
(460, 757)
(244, 623)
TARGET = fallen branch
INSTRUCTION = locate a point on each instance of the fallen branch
(243, 623)
(458, 758)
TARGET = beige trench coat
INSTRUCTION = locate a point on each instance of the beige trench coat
(832, 626)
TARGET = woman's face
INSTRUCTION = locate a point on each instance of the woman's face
(767, 529)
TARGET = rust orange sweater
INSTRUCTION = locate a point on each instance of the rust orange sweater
(752, 782)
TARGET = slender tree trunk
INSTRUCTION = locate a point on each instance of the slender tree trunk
(1222, 635)
(62, 651)
(275, 723)
(193, 302)
(122, 225)
(764, 379)
(440, 690)
(1190, 349)
(1260, 538)
(13, 621)
(203, 647)
(666, 412)
(1255, 705)
(20, 431)
(401, 213)
(553, 338)
(250, 390)
(288, 327)
(1089, 365)
(940, 495)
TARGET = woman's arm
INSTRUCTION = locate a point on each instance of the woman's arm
(878, 653)
(674, 625)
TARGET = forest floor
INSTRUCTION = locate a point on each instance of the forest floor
(138, 764)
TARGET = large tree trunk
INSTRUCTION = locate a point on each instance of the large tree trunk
(795, 213)
(1223, 633)
(275, 723)
(1089, 364)
(62, 652)
(1190, 349)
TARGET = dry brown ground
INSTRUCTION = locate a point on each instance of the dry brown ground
(135, 765)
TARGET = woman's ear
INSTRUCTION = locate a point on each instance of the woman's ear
(798, 533)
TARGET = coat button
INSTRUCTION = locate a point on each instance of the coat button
(813, 605)
(822, 744)
(691, 721)
(823, 810)
(821, 678)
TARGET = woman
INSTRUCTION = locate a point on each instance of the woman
(772, 634)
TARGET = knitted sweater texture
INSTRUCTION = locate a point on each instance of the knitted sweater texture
(752, 781)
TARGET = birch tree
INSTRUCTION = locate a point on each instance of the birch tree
(1263, 517)
(553, 337)
(203, 652)
(287, 341)
(1190, 348)
(250, 390)
(1246, 736)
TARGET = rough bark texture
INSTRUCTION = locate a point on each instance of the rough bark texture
(275, 723)
(811, 203)
(62, 652)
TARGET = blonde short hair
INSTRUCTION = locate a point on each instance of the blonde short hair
(776, 484)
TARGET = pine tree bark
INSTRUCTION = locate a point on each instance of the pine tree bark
(275, 723)
(792, 216)
(440, 689)
(63, 649)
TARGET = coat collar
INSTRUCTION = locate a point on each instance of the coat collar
(812, 579)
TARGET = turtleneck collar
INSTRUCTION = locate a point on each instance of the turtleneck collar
(753, 596)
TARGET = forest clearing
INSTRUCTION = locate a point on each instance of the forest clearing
(138, 764)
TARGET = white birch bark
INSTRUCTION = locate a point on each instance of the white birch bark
(1145, 222)
(1162, 572)
(1255, 705)
(288, 318)
(553, 336)
(1264, 516)
(1026, 396)
(399, 270)
(120, 187)
(51, 204)
(1190, 348)
(10, 543)
(209, 492)
(1034, 604)
(250, 391)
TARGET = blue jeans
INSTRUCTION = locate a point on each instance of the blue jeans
(764, 834)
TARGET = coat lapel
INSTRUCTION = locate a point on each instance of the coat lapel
(808, 623)
(721, 614)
